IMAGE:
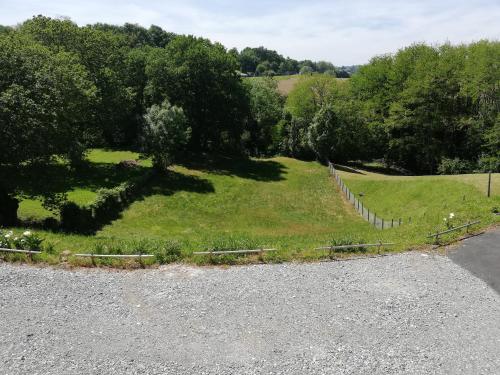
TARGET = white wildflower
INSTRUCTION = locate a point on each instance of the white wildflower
(8, 235)
(27, 233)
(452, 215)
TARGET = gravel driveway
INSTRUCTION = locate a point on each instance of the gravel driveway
(407, 313)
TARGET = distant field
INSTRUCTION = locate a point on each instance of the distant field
(287, 83)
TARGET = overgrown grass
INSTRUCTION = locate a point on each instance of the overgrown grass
(282, 203)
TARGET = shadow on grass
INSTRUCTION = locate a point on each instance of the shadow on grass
(380, 169)
(344, 168)
(35, 181)
(57, 179)
(173, 182)
(252, 169)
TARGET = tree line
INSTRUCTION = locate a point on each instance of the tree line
(265, 62)
(66, 88)
(425, 109)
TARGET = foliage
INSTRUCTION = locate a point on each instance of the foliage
(266, 108)
(25, 241)
(309, 95)
(454, 166)
(105, 208)
(167, 251)
(426, 104)
(166, 132)
(44, 100)
(201, 77)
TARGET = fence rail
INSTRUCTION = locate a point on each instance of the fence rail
(437, 234)
(355, 246)
(20, 251)
(113, 255)
(367, 214)
(233, 252)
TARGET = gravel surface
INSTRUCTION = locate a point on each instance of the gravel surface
(409, 313)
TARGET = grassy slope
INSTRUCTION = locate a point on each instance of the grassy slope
(82, 189)
(426, 199)
(280, 202)
(284, 203)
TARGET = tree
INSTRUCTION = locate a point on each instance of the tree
(202, 78)
(266, 108)
(306, 70)
(45, 99)
(166, 132)
(309, 95)
(336, 133)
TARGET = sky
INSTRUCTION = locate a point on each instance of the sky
(343, 32)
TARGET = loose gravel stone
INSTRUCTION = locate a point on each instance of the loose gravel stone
(405, 313)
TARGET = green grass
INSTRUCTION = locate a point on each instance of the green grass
(80, 187)
(427, 200)
(281, 203)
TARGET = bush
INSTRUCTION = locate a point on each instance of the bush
(26, 241)
(167, 252)
(166, 132)
(489, 163)
(455, 166)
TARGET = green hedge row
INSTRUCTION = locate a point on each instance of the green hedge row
(107, 207)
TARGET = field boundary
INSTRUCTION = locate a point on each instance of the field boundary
(367, 214)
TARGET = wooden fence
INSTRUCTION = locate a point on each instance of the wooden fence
(438, 234)
(367, 214)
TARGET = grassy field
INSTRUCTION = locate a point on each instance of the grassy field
(281, 203)
(427, 200)
(287, 83)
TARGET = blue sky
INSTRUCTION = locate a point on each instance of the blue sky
(343, 32)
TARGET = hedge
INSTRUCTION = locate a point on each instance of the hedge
(106, 207)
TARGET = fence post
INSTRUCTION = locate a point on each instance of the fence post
(368, 214)
(392, 223)
(489, 185)
(375, 219)
(382, 223)
(400, 220)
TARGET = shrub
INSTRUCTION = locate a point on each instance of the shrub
(166, 132)
(454, 166)
(6, 239)
(27, 241)
(167, 252)
(489, 163)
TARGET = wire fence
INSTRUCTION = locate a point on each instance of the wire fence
(367, 214)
